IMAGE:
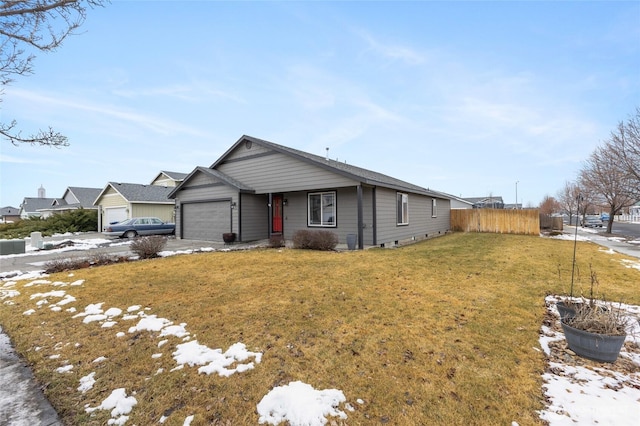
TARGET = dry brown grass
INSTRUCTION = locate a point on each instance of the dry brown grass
(441, 332)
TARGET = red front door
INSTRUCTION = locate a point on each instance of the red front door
(276, 211)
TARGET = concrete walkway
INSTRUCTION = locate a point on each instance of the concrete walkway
(612, 242)
(22, 402)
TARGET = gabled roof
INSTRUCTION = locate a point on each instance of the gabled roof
(9, 211)
(85, 196)
(137, 193)
(239, 186)
(353, 172)
(489, 199)
(177, 176)
(33, 204)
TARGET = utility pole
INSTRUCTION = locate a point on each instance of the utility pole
(517, 194)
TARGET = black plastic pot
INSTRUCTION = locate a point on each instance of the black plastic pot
(229, 237)
(595, 346)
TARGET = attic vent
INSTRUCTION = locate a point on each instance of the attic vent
(247, 144)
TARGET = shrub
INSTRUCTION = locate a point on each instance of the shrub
(70, 264)
(81, 220)
(276, 241)
(148, 247)
(315, 240)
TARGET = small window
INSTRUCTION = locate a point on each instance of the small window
(402, 208)
(434, 208)
(322, 209)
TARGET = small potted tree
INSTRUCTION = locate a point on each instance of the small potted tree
(593, 331)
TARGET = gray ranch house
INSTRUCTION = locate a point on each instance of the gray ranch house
(258, 189)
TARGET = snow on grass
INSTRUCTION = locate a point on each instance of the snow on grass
(569, 237)
(576, 393)
(593, 393)
(214, 360)
(87, 382)
(119, 404)
(300, 404)
(631, 264)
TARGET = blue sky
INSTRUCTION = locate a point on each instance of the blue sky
(466, 98)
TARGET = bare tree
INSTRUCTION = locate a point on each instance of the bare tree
(606, 176)
(568, 200)
(625, 140)
(35, 25)
(549, 205)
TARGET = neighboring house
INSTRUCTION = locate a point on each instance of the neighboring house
(9, 214)
(165, 178)
(490, 202)
(74, 198)
(258, 189)
(458, 203)
(634, 212)
(121, 201)
(31, 206)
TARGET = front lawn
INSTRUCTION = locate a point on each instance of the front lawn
(441, 332)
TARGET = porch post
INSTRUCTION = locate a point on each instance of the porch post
(360, 216)
(270, 227)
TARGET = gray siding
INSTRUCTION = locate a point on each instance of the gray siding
(254, 213)
(281, 173)
(295, 214)
(421, 224)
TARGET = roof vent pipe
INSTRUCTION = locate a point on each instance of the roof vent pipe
(327, 153)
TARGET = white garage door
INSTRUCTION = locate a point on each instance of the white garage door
(113, 214)
(206, 221)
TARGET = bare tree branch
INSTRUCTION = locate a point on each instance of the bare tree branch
(40, 25)
(604, 175)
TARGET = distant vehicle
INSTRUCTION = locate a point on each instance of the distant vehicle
(131, 228)
(604, 217)
(591, 222)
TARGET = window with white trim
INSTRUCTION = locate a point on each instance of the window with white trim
(434, 208)
(322, 209)
(402, 208)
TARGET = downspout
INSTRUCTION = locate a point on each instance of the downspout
(360, 218)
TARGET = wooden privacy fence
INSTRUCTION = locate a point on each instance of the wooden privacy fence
(498, 221)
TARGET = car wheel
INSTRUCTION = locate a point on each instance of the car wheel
(130, 234)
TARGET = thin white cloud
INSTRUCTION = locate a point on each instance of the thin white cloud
(156, 124)
(391, 51)
(4, 158)
(196, 92)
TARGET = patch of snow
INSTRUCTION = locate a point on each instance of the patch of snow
(64, 369)
(213, 360)
(113, 312)
(119, 404)
(150, 323)
(87, 382)
(300, 404)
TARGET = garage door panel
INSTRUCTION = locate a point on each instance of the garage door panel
(116, 214)
(206, 221)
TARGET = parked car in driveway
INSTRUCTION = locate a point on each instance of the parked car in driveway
(131, 228)
(591, 222)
